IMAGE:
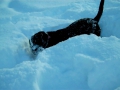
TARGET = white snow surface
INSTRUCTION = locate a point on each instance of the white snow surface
(84, 62)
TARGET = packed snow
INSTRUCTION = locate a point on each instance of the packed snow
(84, 62)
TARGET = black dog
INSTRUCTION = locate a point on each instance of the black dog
(42, 40)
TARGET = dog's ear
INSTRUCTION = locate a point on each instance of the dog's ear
(41, 38)
(37, 38)
(44, 36)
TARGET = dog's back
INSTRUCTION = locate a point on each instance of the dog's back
(87, 25)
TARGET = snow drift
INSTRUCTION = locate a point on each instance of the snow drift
(85, 62)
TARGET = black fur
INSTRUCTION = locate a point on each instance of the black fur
(79, 27)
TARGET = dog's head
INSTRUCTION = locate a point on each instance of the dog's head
(40, 39)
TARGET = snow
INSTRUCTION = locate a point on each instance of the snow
(85, 62)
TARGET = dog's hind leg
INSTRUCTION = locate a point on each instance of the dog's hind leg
(100, 11)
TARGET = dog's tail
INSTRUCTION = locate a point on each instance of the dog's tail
(99, 14)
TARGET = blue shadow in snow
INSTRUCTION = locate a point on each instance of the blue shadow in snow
(21, 7)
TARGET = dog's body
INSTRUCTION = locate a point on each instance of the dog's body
(76, 28)
(42, 40)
